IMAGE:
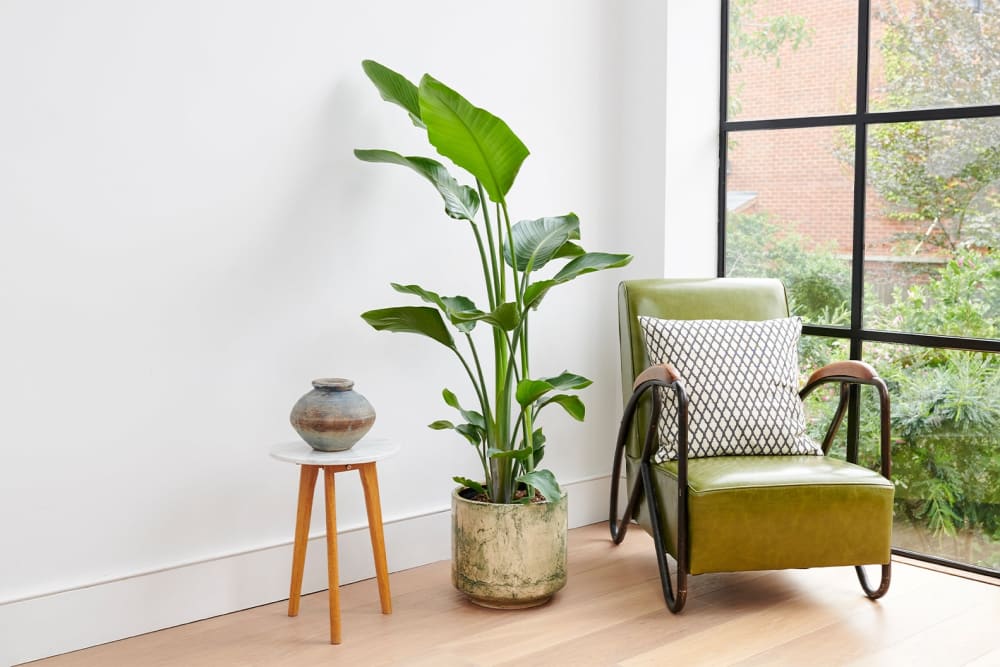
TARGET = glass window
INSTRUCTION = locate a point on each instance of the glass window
(937, 53)
(945, 450)
(932, 231)
(791, 59)
(920, 298)
(789, 204)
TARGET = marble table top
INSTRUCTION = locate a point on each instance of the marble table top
(367, 450)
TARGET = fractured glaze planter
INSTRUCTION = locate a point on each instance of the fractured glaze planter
(508, 556)
(332, 417)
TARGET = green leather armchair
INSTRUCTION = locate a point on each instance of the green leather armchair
(733, 513)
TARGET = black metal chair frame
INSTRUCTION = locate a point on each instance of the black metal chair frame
(676, 595)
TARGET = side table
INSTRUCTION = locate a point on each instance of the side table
(360, 457)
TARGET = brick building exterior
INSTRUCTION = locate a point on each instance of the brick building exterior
(803, 178)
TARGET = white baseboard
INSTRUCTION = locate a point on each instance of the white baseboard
(52, 623)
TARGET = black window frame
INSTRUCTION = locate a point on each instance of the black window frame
(860, 120)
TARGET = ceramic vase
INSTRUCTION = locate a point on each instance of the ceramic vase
(332, 417)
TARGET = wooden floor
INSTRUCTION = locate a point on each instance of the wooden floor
(610, 613)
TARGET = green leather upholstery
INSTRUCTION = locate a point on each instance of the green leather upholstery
(750, 512)
(776, 512)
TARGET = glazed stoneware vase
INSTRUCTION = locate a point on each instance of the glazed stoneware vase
(508, 556)
(332, 417)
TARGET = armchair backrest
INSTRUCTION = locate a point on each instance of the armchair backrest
(698, 299)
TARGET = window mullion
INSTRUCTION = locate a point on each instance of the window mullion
(720, 257)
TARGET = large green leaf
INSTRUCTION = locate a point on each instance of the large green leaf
(472, 484)
(590, 262)
(505, 316)
(569, 249)
(544, 481)
(538, 241)
(470, 432)
(449, 305)
(450, 399)
(460, 201)
(578, 266)
(474, 418)
(521, 454)
(567, 380)
(471, 137)
(395, 88)
(538, 445)
(535, 292)
(411, 319)
(529, 391)
(570, 403)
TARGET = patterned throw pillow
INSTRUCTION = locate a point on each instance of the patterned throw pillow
(740, 378)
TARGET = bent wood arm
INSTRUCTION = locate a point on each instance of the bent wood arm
(857, 370)
(848, 373)
(664, 373)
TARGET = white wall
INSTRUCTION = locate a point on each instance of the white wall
(186, 240)
(692, 139)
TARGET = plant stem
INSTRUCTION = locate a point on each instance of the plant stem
(497, 274)
(480, 394)
(482, 379)
(500, 486)
(527, 416)
(486, 269)
(484, 405)
(503, 273)
(518, 297)
(497, 429)
(522, 336)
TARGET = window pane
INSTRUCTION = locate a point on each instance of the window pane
(791, 58)
(789, 205)
(945, 449)
(934, 53)
(933, 228)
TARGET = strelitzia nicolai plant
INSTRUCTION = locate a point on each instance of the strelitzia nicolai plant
(503, 429)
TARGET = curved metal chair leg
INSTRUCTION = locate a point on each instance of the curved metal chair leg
(619, 528)
(675, 597)
(883, 586)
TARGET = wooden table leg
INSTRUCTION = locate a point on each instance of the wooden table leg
(331, 554)
(307, 485)
(369, 481)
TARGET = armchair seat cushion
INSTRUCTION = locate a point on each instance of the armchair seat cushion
(774, 512)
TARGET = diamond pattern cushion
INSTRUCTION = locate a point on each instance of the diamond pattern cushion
(740, 379)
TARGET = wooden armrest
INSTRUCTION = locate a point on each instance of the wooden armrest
(848, 373)
(857, 370)
(662, 372)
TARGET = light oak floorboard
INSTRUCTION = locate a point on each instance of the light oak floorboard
(610, 613)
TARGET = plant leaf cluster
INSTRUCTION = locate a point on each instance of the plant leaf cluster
(509, 397)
